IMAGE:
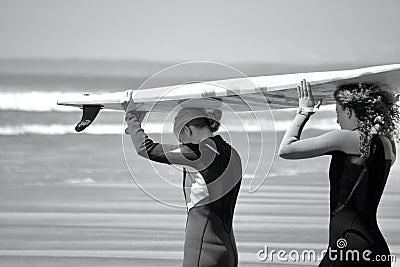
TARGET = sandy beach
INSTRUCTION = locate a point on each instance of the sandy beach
(71, 205)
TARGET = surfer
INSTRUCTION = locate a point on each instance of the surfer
(363, 152)
(212, 176)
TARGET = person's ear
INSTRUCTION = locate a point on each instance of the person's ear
(190, 130)
(187, 130)
(348, 112)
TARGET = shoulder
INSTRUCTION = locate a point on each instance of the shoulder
(189, 150)
(205, 148)
(344, 140)
(342, 134)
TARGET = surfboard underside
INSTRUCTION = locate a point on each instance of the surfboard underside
(244, 94)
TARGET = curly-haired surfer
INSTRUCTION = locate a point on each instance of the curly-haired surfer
(362, 154)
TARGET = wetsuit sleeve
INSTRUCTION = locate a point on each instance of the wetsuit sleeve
(339, 140)
(199, 156)
(162, 153)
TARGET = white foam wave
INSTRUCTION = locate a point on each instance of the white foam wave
(86, 180)
(37, 101)
(41, 101)
(58, 129)
(107, 129)
(326, 124)
(330, 107)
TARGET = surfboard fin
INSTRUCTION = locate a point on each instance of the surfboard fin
(88, 116)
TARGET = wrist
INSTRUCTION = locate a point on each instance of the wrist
(306, 111)
(130, 115)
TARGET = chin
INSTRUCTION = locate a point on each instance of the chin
(342, 127)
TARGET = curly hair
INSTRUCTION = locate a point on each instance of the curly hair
(375, 108)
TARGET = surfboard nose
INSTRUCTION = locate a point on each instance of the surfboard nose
(88, 116)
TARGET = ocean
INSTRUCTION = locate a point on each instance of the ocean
(87, 199)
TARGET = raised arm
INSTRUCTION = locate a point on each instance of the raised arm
(183, 154)
(339, 140)
(293, 148)
(162, 153)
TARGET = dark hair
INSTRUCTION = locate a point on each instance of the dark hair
(202, 122)
(374, 106)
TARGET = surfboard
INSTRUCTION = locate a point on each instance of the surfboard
(241, 94)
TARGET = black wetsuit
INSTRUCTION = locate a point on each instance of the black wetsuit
(356, 222)
(209, 238)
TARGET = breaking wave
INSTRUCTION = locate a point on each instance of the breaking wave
(36, 101)
(107, 129)
(41, 101)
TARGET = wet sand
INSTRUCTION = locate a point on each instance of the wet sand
(109, 221)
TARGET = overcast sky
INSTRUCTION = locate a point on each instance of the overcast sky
(295, 31)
